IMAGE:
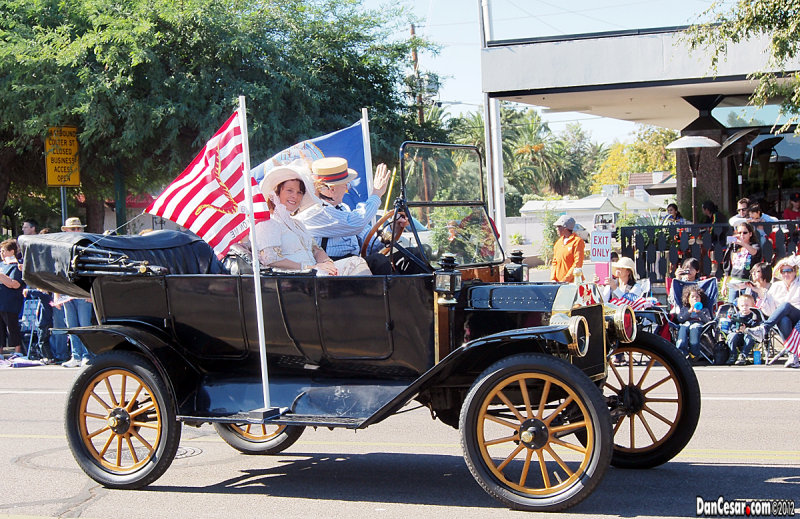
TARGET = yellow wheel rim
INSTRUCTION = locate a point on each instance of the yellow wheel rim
(527, 427)
(120, 421)
(257, 432)
(647, 387)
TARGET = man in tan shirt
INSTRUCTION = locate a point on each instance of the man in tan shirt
(567, 251)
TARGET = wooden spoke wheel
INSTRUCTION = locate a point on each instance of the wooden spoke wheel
(259, 438)
(654, 398)
(520, 427)
(120, 421)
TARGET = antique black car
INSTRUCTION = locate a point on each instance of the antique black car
(522, 369)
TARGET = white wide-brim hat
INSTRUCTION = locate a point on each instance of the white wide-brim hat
(625, 263)
(297, 170)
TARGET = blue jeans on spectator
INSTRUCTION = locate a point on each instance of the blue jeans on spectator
(58, 342)
(785, 317)
(742, 342)
(78, 312)
(689, 338)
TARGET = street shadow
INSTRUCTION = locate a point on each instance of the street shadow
(444, 480)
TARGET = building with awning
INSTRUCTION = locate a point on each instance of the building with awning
(644, 75)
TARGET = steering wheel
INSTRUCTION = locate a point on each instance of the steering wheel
(371, 234)
(386, 251)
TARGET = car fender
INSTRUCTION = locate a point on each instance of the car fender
(476, 355)
(176, 372)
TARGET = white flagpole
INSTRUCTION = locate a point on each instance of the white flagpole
(367, 148)
(248, 196)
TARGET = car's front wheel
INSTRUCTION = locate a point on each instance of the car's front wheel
(520, 427)
(120, 421)
(259, 438)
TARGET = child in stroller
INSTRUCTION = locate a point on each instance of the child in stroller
(732, 320)
(693, 315)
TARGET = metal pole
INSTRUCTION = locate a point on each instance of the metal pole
(494, 140)
(63, 205)
(248, 196)
(367, 148)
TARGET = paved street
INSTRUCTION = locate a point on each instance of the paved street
(409, 466)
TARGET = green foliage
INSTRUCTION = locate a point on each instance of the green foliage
(535, 160)
(513, 203)
(515, 239)
(147, 83)
(549, 235)
(745, 20)
(645, 154)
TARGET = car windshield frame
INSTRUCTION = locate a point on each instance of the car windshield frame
(479, 232)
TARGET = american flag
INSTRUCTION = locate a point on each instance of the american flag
(208, 197)
(635, 302)
(792, 344)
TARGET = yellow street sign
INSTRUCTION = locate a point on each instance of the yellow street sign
(61, 157)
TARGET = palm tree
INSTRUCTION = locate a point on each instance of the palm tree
(532, 154)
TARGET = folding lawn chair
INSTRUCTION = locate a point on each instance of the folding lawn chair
(29, 327)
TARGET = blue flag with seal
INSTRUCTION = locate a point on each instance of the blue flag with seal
(347, 143)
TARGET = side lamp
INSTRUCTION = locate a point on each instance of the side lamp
(448, 280)
(516, 271)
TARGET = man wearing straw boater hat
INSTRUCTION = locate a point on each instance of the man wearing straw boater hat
(338, 228)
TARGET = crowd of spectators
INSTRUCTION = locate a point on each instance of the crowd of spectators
(750, 282)
(27, 315)
(759, 296)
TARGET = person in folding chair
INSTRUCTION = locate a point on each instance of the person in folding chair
(702, 336)
(693, 315)
(782, 304)
(624, 284)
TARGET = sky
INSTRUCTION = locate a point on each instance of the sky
(454, 25)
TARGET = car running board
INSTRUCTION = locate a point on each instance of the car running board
(284, 419)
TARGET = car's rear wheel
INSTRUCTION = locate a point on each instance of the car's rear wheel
(655, 402)
(519, 427)
(259, 438)
(120, 421)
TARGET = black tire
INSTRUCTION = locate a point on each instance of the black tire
(504, 427)
(259, 439)
(671, 413)
(120, 421)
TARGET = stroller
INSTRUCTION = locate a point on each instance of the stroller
(712, 348)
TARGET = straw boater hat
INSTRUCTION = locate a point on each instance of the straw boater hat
(625, 263)
(297, 170)
(72, 223)
(333, 171)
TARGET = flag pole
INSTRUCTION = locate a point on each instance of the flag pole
(248, 196)
(367, 148)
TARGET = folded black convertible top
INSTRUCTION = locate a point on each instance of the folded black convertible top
(52, 261)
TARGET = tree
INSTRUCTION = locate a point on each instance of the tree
(648, 151)
(645, 154)
(747, 19)
(534, 162)
(614, 170)
(146, 83)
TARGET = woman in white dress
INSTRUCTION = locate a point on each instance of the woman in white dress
(282, 240)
